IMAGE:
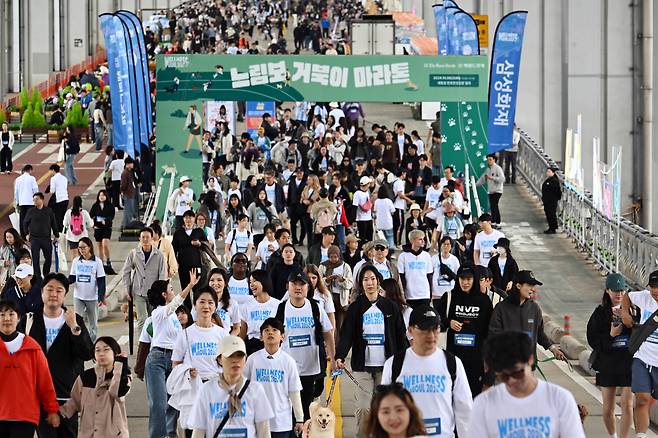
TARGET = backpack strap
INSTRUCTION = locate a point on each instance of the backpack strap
(396, 368)
(451, 363)
(315, 310)
(281, 311)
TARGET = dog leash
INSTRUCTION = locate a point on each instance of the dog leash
(334, 379)
(355, 382)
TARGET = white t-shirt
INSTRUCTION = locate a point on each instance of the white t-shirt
(271, 193)
(239, 290)
(279, 377)
(327, 303)
(166, 325)
(360, 197)
(183, 202)
(432, 198)
(197, 347)
(648, 351)
(145, 336)
(86, 272)
(300, 336)
(428, 380)
(374, 335)
(15, 345)
(116, 167)
(398, 187)
(53, 326)
(228, 316)
(550, 412)
(382, 268)
(265, 250)
(440, 283)
(254, 314)
(384, 210)
(239, 240)
(415, 268)
(211, 406)
(485, 242)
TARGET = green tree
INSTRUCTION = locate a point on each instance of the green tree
(37, 101)
(3, 116)
(26, 121)
(74, 116)
(23, 99)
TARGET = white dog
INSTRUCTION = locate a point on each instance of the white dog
(321, 424)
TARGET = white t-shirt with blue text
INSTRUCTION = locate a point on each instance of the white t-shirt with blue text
(374, 335)
(300, 336)
(485, 244)
(211, 406)
(53, 326)
(254, 313)
(278, 376)
(198, 347)
(415, 269)
(86, 273)
(239, 290)
(549, 412)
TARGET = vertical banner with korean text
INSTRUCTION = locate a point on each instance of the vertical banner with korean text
(504, 79)
(138, 128)
(120, 90)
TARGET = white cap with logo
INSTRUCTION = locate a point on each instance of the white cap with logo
(231, 345)
(24, 270)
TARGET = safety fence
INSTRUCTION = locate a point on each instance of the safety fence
(62, 78)
(592, 232)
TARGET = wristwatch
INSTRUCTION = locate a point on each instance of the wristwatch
(76, 330)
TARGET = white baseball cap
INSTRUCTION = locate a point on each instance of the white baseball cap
(365, 180)
(230, 345)
(185, 178)
(24, 270)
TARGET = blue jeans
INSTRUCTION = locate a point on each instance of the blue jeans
(340, 237)
(70, 171)
(389, 238)
(130, 210)
(98, 132)
(162, 417)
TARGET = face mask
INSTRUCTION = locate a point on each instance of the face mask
(468, 242)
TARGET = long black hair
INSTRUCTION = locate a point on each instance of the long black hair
(226, 295)
(107, 201)
(76, 208)
(18, 240)
(606, 302)
(234, 211)
(154, 294)
(263, 277)
(266, 202)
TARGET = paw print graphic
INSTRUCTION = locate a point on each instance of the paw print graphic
(480, 146)
(481, 165)
(452, 122)
(457, 147)
(474, 133)
(469, 107)
(473, 142)
(467, 128)
(465, 114)
(469, 121)
(444, 107)
(478, 154)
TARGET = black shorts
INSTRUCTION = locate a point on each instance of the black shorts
(608, 380)
(102, 233)
(73, 245)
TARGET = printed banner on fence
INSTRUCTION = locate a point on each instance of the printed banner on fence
(120, 90)
(293, 78)
(504, 79)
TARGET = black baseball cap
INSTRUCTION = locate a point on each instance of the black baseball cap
(526, 277)
(466, 271)
(329, 230)
(298, 276)
(424, 317)
(653, 278)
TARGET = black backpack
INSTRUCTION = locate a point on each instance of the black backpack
(388, 187)
(398, 360)
(319, 336)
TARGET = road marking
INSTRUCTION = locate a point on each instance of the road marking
(85, 147)
(88, 158)
(51, 159)
(123, 340)
(49, 149)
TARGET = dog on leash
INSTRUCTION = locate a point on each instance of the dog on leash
(321, 424)
(124, 309)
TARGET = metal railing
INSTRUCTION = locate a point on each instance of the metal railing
(589, 229)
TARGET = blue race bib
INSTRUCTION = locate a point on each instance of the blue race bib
(299, 341)
(464, 340)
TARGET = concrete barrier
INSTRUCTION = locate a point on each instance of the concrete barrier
(571, 347)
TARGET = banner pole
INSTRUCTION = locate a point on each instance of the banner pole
(467, 177)
(618, 181)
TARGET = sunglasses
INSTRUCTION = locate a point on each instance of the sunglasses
(504, 376)
(380, 247)
(395, 388)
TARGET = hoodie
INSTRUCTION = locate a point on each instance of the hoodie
(510, 314)
(26, 373)
(474, 311)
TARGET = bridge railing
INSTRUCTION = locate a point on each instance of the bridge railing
(591, 231)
